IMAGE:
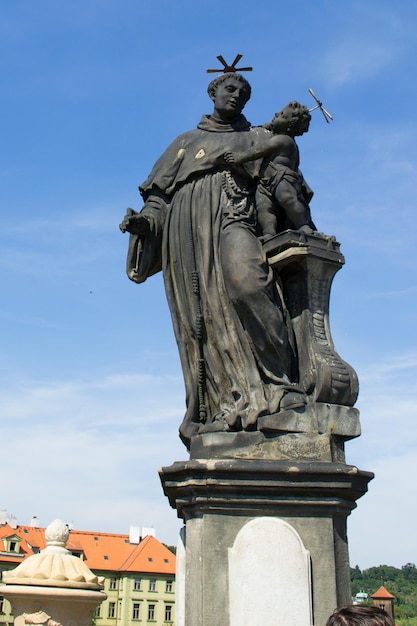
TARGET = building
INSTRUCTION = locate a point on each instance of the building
(361, 597)
(385, 600)
(138, 572)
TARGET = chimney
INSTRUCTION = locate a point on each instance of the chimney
(134, 534)
(12, 521)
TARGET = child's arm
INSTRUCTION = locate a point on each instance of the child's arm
(268, 147)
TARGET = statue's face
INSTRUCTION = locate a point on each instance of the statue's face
(302, 126)
(297, 123)
(230, 98)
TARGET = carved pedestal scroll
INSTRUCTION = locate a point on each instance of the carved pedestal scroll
(306, 265)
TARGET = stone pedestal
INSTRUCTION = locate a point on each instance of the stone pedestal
(265, 541)
(265, 512)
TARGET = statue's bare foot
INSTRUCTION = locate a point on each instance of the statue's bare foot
(292, 400)
(217, 426)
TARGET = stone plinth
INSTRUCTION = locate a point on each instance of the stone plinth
(53, 587)
(265, 541)
(316, 433)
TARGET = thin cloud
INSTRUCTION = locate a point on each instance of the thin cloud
(107, 436)
(397, 293)
(116, 399)
(396, 365)
(353, 61)
(386, 513)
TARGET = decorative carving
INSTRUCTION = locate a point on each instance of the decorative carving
(306, 265)
(40, 617)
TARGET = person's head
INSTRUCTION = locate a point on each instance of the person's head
(293, 119)
(229, 92)
(359, 615)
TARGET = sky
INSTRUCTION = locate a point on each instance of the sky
(92, 92)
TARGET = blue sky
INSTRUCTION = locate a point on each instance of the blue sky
(92, 91)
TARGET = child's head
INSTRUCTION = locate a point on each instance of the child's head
(293, 119)
(359, 615)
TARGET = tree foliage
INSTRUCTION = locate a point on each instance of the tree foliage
(401, 583)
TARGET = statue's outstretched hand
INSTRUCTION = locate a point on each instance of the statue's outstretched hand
(135, 223)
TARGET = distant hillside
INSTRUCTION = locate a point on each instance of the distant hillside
(402, 583)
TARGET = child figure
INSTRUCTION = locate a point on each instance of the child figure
(282, 196)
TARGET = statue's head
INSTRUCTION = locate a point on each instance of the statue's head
(229, 92)
(294, 119)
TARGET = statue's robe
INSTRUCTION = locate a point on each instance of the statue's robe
(227, 314)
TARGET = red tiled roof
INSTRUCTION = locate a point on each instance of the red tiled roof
(29, 538)
(102, 551)
(150, 556)
(383, 593)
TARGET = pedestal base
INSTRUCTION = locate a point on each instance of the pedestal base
(252, 529)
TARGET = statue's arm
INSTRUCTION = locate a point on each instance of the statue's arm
(151, 217)
(269, 146)
(145, 241)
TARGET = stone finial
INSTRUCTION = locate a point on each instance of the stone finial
(54, 566)
(57, 534)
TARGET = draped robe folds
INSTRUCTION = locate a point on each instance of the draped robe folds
(227, 314)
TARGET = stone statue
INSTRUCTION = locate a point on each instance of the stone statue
(210, 201)
(282, 195)
(199, 223)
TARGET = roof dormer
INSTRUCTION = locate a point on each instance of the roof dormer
(12, 544)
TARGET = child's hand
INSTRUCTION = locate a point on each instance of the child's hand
(229, 157)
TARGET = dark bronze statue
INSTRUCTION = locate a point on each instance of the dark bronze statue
(211, 200)
(282, 195)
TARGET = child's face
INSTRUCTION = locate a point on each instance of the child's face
(297, 124)
(279, 123)
(302, 125)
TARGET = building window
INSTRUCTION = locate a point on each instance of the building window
(13, 546)
(77, 553)
(151, 612)
(152, 584)
(113, 583)
(98, 612)
(169, 586)
(136, 610)
(1, 604)
(168, 612)
(112, 609)
(136, 584)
